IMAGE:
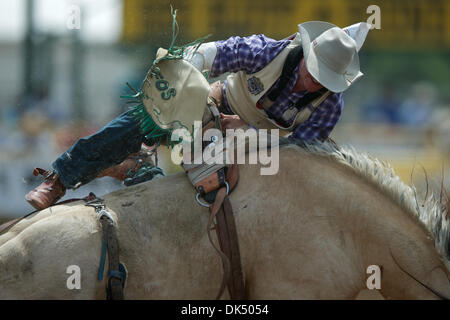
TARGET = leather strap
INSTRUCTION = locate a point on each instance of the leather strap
(5, 226)
(214, 209)
(114, 289)
(221, 210)
(232, 176)
(216, 94)
(225, 227)
(292, 60)
(229, 244)
(116, 272)
(211, 182)
(215, 180)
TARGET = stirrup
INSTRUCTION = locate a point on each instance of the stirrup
(145, 173)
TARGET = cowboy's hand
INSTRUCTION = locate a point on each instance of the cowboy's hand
(231, 121)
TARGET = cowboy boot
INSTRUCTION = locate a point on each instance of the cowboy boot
(46, 194)
(131, 165)
(120, 171)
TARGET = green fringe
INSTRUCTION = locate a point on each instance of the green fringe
(152, 132)
(175, 52)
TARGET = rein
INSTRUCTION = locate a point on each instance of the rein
(9, 224)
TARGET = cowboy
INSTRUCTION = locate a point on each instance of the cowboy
(294, 84)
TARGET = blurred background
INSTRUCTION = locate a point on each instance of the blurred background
(64, 65)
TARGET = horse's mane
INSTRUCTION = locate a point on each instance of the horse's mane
(433, 214)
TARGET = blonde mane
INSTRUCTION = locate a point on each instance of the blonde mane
(430, 212)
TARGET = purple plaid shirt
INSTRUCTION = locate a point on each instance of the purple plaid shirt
(251, 54)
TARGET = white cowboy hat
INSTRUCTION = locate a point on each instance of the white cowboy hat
(331, 56)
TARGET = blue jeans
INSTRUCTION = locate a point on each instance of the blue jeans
(89, 156)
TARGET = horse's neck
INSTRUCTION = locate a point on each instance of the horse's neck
(383, 232)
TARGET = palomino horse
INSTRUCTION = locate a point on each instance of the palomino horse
(309, 232)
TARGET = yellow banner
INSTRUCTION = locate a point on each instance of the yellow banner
(405, 24)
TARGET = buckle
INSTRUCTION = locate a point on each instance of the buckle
(212, 182)
(100, 209)
(206, 204)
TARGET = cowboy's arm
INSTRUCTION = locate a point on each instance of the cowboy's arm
(201, 57)
(249, 54)
(322, 120)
